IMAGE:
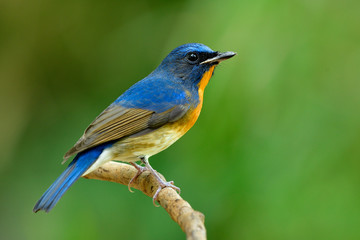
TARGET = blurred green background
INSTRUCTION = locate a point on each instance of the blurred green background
(274, 154)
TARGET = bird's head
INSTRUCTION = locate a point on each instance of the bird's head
(190, 61)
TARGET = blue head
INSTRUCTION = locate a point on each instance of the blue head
(190, 61)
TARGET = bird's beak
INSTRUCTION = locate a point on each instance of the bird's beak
(219, 57)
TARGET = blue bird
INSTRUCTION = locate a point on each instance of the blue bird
(146, 119)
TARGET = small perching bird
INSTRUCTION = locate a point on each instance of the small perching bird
(146, 119)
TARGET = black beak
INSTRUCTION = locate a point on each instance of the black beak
(219, 57)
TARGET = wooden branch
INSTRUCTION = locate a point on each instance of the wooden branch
(190, 221)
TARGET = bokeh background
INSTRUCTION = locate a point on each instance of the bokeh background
(274, 154)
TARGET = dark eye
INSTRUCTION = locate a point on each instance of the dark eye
(192, 57)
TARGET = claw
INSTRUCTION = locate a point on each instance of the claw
(163, 184)
(140, 170)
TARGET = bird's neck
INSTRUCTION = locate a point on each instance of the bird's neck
(204, 81)
(201, 86)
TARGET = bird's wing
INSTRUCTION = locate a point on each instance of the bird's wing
(117, 122)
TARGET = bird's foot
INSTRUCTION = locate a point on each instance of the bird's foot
(164, 184)
(140, 170)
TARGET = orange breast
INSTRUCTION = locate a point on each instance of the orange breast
(194, 113)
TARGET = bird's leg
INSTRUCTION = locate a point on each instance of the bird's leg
(140, 170)
(162, 183)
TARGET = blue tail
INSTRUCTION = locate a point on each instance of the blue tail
(73, 172)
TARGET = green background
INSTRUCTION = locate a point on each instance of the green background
(274, 154)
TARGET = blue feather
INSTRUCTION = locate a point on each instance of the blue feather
(174, 82)
(73, 172)
(153, 94)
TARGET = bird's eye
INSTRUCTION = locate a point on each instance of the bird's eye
(192, 57)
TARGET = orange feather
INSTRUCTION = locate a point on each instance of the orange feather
(194, 114)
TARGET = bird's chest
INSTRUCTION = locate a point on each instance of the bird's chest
(129, 149)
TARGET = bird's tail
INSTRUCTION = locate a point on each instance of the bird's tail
(73, 172)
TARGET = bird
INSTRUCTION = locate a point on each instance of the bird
(145, 120)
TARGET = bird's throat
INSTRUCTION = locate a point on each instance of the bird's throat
(204, 81)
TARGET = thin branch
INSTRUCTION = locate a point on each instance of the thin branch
(190, 221)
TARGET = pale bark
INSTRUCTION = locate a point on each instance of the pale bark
(190, 221)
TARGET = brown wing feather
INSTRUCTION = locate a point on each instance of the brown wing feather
(113, 123)
(117, 122)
